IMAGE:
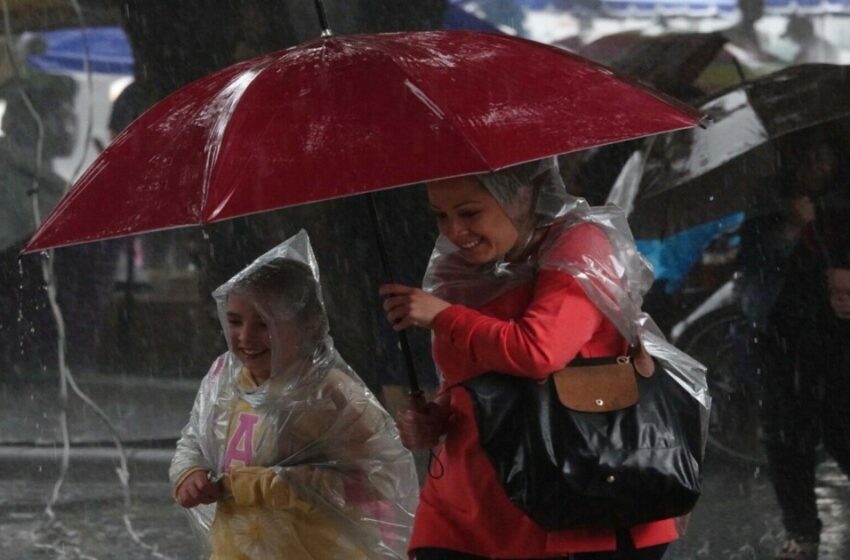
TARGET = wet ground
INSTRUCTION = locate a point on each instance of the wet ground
(89, 522)
(737, 518)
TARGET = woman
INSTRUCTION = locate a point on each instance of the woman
(287, 454)
(523, 280)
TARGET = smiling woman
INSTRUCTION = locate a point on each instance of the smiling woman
(524, 279)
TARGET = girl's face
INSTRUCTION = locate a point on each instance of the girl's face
(250, 337)
(469, 216)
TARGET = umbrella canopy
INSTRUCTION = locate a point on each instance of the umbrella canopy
(696, 176)
(669, 62)
(344, 115)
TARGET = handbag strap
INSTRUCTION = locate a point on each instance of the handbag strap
(639, 359)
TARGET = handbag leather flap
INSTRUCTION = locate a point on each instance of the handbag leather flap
(597, 388)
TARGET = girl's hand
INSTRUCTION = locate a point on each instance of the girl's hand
(196, 489)
(406, 306)
(422, 428)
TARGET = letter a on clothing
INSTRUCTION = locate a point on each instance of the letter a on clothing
(241, 445)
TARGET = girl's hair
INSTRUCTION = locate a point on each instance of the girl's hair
(290, 292)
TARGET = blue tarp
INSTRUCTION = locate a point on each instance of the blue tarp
(672, 258)
(109, 51)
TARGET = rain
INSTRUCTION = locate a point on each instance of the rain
(105, 338)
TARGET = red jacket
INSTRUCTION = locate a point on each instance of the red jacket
(531, 331)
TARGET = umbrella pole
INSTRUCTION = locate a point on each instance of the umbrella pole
(323, 18)
(412, 378)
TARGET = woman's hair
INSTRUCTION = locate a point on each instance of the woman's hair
(532, 194)
(286, 290)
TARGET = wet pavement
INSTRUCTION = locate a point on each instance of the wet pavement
(737, 518)
(140, 408)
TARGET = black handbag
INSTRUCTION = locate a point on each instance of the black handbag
(594, 445)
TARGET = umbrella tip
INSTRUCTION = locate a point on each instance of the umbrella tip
(323, 19)
(705, 121)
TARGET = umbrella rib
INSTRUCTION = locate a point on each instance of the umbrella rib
(233, 93)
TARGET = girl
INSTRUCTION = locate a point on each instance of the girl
(286, 453)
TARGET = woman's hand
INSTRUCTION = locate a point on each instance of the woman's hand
(196, 489)
(406, 306)
(422, 428)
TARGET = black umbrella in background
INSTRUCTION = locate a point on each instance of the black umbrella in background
(700, 175)
(671, 63)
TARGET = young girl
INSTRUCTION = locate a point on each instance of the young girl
(524, 279)
(287, 454)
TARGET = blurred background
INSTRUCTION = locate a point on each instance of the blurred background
(141, 323)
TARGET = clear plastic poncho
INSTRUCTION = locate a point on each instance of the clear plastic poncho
(311, 465)
(613, 275)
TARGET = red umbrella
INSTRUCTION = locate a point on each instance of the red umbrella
(344, 115)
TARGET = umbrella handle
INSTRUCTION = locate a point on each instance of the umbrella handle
(412, 377)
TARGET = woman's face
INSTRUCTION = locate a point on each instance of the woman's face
(469, 216)
(250, 337)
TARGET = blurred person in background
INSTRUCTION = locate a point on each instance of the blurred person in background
(812, 48)
(38, 125)
(806, 380)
